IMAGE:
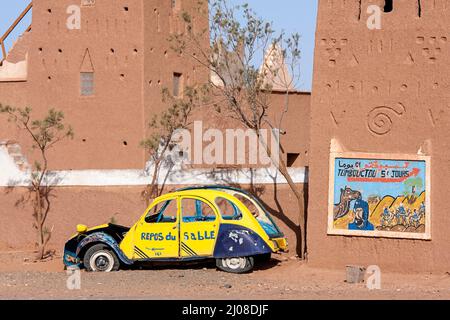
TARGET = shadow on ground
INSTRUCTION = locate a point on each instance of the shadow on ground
(198, 265)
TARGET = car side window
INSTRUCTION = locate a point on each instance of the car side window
(163, 212)
(194, 210)
(249, 204)
(228, 210)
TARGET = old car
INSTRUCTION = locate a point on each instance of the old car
(213, 222)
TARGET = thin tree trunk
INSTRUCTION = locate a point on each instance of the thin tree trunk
(301, 207)
(298, 195)
(39, 225)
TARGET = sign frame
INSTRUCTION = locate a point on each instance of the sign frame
(331, 230)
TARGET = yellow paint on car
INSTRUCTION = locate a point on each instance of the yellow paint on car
(179, 236)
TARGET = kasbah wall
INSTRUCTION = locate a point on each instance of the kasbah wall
(404, 67)
(356, 70)
(124, 43)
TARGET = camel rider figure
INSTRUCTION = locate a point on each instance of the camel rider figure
(361, 221)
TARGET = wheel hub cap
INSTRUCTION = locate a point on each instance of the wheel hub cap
(102, 261)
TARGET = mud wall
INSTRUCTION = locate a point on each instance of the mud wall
(124, 44)
(98, 205)
(404, 68)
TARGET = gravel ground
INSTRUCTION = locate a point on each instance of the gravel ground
(279, 279)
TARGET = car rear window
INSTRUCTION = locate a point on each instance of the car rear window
(227, 209)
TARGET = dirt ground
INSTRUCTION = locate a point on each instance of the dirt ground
(282, 278)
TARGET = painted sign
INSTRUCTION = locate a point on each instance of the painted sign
(379, 195)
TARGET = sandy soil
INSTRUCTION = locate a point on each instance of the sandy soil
(282, 278)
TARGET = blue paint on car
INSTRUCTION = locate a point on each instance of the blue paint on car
(238, 241)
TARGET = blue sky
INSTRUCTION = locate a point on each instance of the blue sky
(8, 13)
(290, 15)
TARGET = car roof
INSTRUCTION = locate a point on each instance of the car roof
(216, 187)
(216, 190)
(191, 191)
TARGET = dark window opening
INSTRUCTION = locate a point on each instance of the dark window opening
(292, 158)
(177, 84)
(359, 10)
(388, 5)
(87, 83)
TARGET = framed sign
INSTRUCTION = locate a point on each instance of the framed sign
(379, 195)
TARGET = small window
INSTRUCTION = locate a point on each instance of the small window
(292, 158)
(177, 84)
(388, 5)
(228, 210)
(194, 210)
(87, 83)
(163, 212)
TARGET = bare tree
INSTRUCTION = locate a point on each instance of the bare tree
(45, 134)
(248, 61)
(163, 127)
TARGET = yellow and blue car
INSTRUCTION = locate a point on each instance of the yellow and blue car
(207, 222)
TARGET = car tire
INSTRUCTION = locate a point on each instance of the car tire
(235, 265)
(100, 258)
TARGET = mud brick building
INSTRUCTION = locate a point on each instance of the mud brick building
(106, 74)
(375, 91)
(381, 91)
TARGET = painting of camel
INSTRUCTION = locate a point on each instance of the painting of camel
(379, 196)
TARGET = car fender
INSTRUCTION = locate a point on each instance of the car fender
(101, 237)
(238, 241)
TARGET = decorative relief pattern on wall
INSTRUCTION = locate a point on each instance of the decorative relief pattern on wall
(435, 116)
(431, 47)
(381, 119)
(333, 48)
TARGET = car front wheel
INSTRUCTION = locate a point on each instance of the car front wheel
(235, 265)
(100, 258)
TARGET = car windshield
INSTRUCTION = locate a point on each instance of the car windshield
(261, 215)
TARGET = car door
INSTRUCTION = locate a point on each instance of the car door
(157, 233)
(199, 226)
